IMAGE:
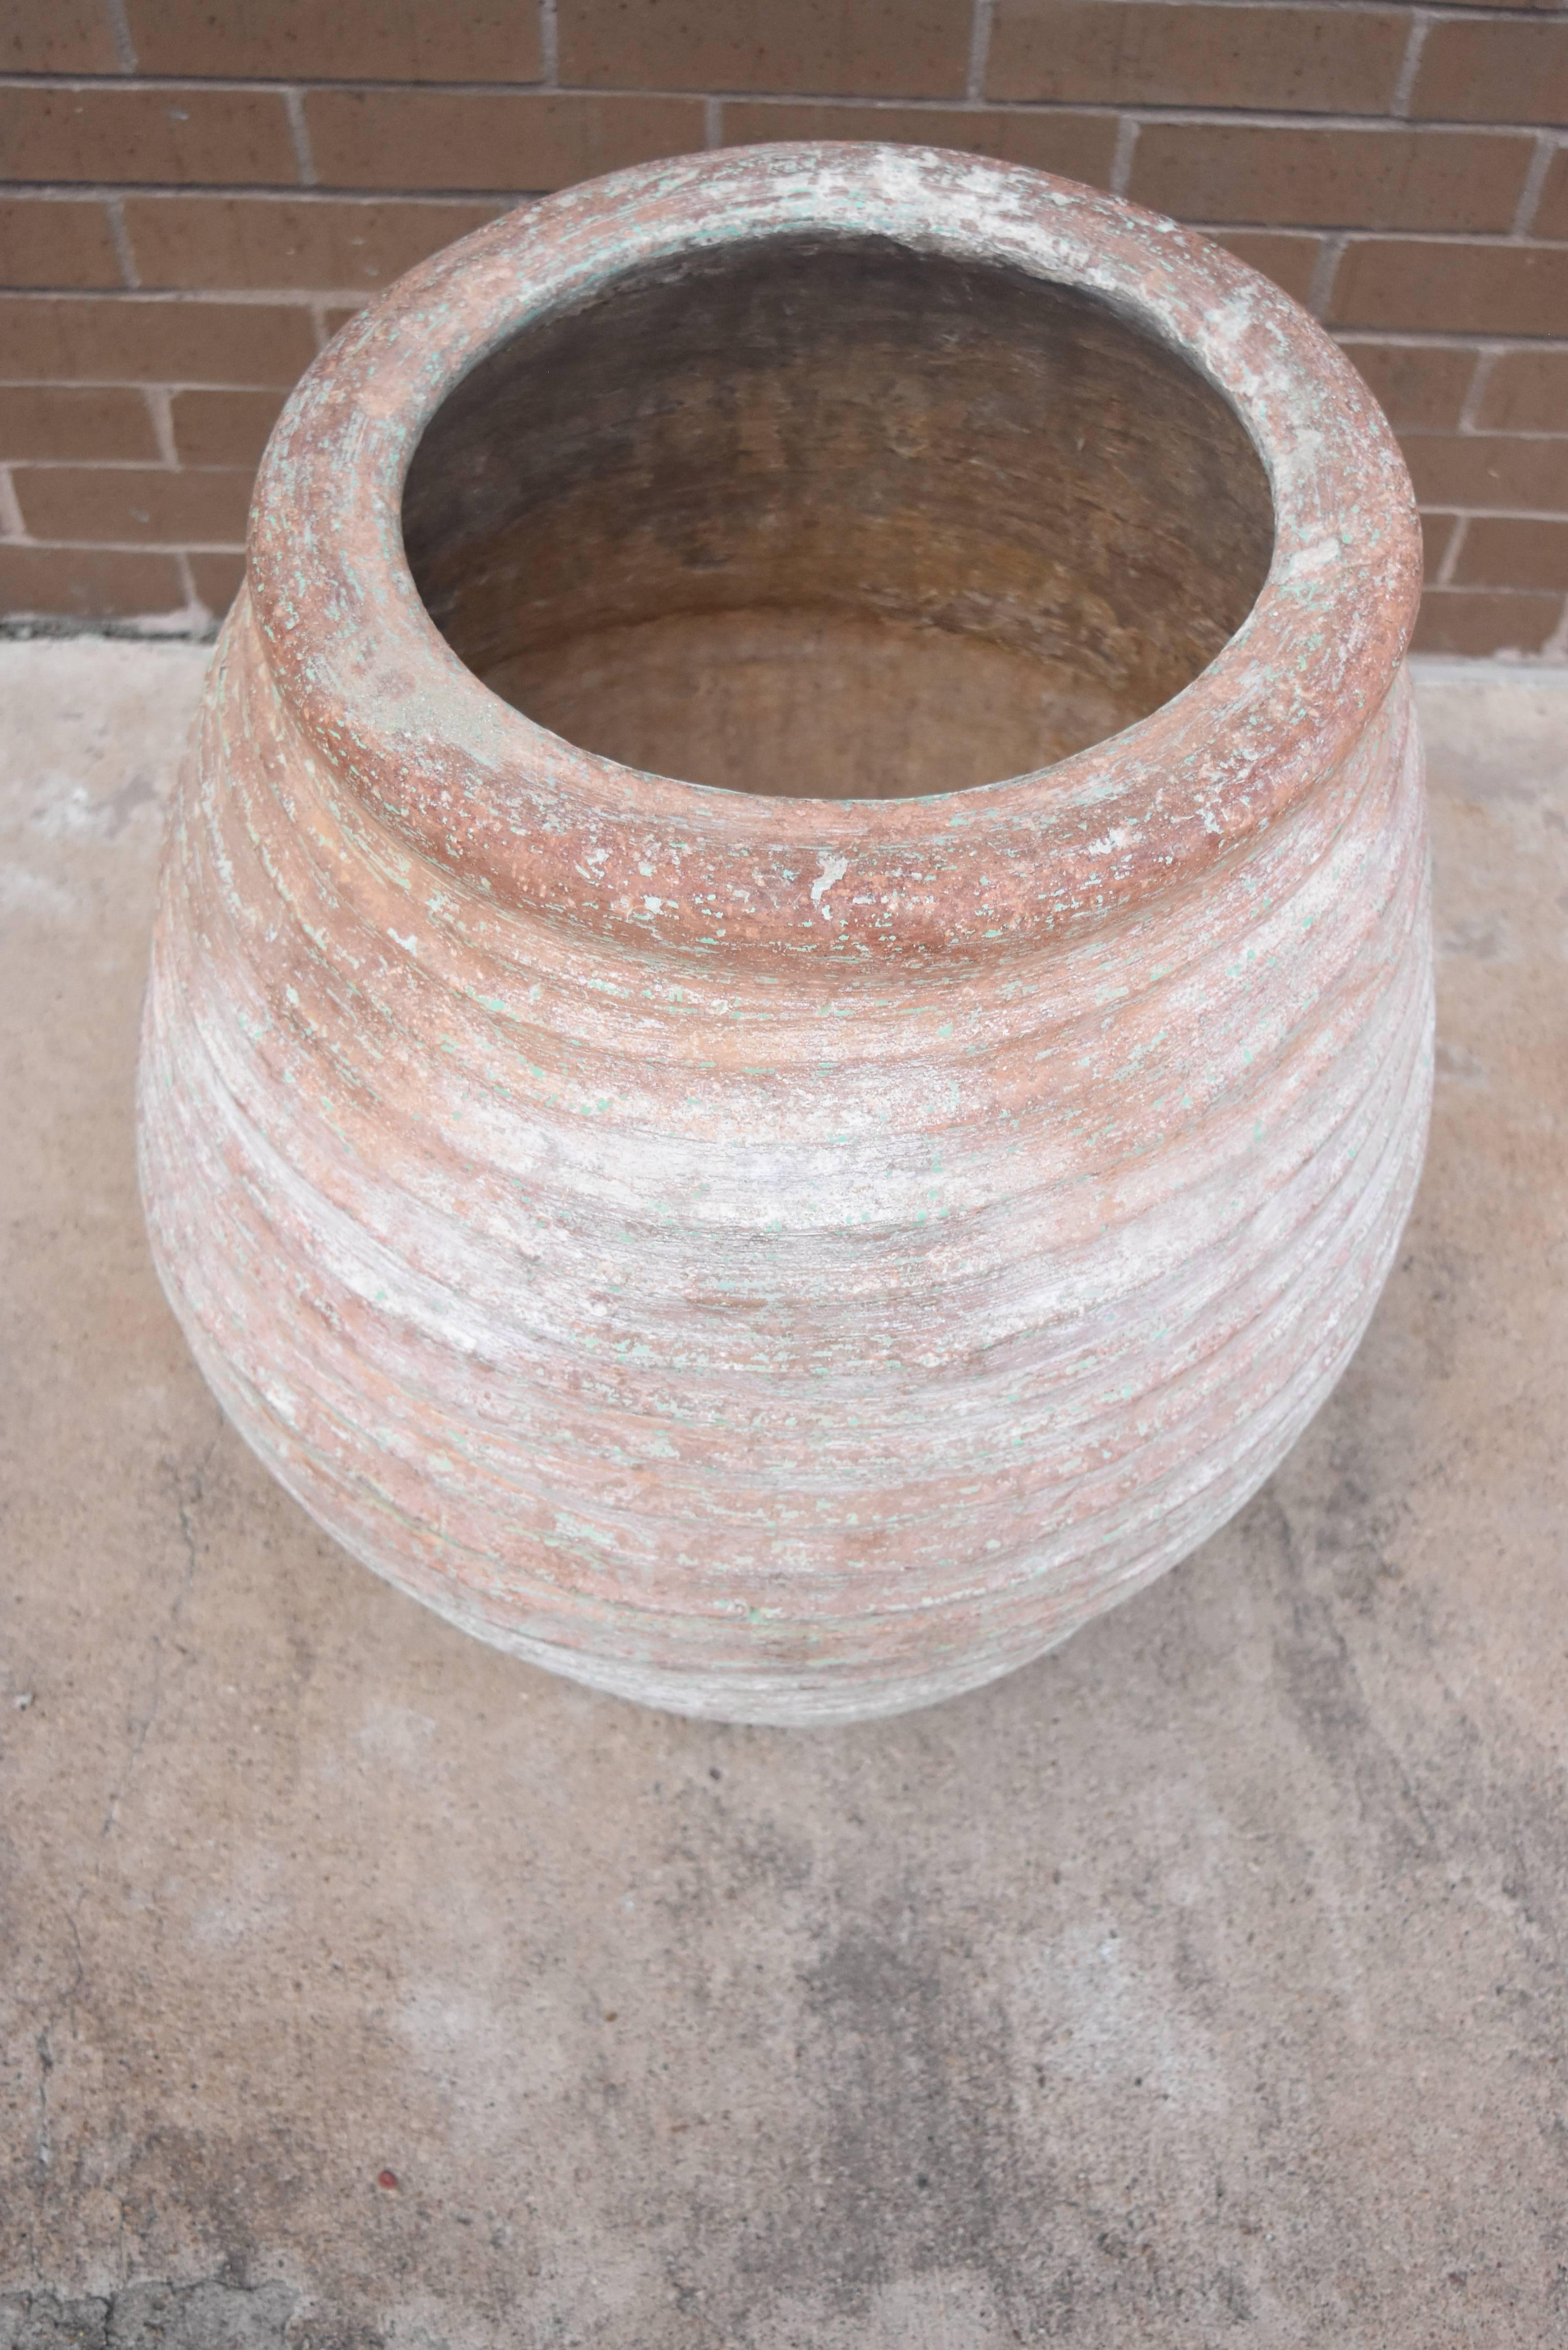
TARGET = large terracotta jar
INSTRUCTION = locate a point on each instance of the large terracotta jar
(790, 1028)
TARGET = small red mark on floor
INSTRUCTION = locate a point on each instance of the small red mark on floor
(387, 2179)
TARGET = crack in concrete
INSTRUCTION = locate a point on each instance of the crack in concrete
(43, 2140)
(43, 2144)
(188, 1495)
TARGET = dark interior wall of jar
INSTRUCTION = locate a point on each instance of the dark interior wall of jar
(836, 517)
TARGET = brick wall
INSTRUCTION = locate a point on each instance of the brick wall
(198, 191)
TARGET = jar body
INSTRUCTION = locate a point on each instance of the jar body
(791, 1256)
(779, 1354)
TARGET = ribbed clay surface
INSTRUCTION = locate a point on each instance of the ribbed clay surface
(780, 1257)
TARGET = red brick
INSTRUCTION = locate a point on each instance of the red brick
(1460, 621)
(128, 134)
(1513, 554)
(121, 504)
(1324, 178)
(222, 428)
(57, 37)
(1526, 392)
(1295, 60)
(128, 339)
(1432, 286)
(336, 317)
(527, 142)
(56, 422)
(339, 40)
(1552, 207)
(88, 583)
(1436, 533)
(1081, 146)
(56, 241)
(873, 48)
(1496, 72)
(1496, 474)
(289, 241)
(1421, 386)
(217, 578)
(1290, 260)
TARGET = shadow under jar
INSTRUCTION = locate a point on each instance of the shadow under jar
(790, 1025)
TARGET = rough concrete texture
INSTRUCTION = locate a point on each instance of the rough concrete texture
(1203, 1984)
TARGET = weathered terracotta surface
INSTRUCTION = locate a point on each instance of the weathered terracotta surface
(794, 1257)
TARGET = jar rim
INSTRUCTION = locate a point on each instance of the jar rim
(536, 822)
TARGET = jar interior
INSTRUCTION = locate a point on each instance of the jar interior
(834, 519)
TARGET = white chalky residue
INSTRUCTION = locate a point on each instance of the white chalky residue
(832, 869)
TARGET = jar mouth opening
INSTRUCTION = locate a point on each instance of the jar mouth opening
(1286, 469)
(834, 517)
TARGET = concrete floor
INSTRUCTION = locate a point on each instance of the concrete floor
(1204, 1983)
